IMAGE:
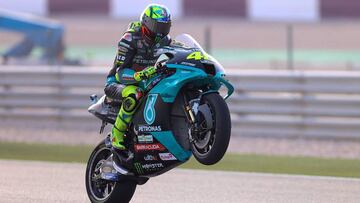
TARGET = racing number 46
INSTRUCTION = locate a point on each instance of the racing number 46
(197, 55)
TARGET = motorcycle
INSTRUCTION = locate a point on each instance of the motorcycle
(182, 114)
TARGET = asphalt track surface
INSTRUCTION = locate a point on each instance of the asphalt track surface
(26, 181)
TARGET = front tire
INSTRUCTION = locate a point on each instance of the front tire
(213, 137)
(103, 191)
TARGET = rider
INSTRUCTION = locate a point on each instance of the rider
(135, 62)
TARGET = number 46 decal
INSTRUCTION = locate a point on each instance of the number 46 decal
(197, 55)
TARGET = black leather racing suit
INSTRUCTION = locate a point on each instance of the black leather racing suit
(133, 54)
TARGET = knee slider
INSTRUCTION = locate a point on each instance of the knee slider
(129, 104)
(133, 91)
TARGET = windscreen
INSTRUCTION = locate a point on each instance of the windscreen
(189, 41)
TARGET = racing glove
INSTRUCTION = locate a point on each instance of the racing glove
(146, 73)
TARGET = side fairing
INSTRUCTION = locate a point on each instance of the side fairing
(156, 148)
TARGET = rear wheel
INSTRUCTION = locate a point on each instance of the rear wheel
(212, 134)
(104, 191)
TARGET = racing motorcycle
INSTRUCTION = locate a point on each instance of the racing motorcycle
(182, 114)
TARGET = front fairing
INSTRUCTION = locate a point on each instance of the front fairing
(191, 65)
(186, 50)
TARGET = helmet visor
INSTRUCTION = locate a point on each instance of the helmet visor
(157, 27)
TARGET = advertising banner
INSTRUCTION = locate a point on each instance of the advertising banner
(283, 10)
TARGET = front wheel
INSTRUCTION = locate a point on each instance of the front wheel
(212, 134)
(104, 191)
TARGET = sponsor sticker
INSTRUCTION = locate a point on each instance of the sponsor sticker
(143, 61)
(120, 58)
(149, 147)
(149, 157)
(152, 166)
(139, 168)
(127, 37)
(167, 156)
(145, 139)
(148, 167)
(140, 44)
(149, 128)
(149, 110)
(125, 45)
(188, 64)
(122, 49)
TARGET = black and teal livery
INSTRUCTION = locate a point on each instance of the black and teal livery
(182, 114)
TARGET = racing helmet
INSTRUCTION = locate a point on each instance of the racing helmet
(155, 22)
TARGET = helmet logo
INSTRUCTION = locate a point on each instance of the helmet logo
(159, 13)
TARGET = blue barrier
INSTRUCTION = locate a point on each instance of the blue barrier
(38, 32)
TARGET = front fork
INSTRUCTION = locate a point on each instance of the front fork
(191, 109)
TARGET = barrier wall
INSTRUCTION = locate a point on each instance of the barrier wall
(340, 8)
(126, 9)
(265, 103)
(236, 8)
(269, 10)
(77, 7)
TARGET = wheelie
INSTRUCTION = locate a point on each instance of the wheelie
(161, 115)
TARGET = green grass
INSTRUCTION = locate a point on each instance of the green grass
(229, 55)
(231, 162)
(92, 53)
(259, 55)
(284, 165)
(44, 152)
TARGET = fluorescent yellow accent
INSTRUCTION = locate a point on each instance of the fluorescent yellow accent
(149, 71)
(138, 76)
(146, 73)
(123, 118)
(136, 24)
(147, 12)
(155, 12)
(117, 77)
(130, 89)
(119, 63)
(197, 55)
(117, 137)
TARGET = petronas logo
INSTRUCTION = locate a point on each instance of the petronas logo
(139, 168)
(149, 111)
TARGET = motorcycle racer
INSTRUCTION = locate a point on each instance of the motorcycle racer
(135, 62)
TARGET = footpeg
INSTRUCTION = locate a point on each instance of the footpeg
(110, 176)
(120, 169)
(123, 157)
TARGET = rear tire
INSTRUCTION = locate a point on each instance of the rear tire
(119, 192)
(216, 141)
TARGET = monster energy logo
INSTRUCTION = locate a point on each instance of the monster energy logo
(139, 168)
(149, 111)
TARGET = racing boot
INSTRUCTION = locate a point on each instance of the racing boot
(118, 149)
(117, 139)
(121, 155)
